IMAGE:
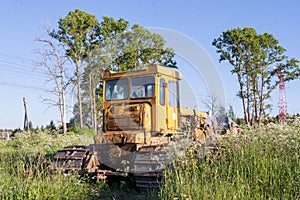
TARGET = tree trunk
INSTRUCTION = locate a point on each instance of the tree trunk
(79, 94)
(261, 99)
(92, 103)
(255, 107)
(63, 105)
(248, 102)
(95, 110)
(243, 97)
(91, 100)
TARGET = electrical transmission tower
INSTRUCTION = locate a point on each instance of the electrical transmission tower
(282, 100)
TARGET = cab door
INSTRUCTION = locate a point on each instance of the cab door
(161, 106)
(173, 105)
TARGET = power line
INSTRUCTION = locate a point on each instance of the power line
(21, 78)
(22, 86)
(16, 57)
(22, 66)
(20, 73)
(19, 68)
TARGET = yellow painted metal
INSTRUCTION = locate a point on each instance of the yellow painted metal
(148, 107)
(130, 119)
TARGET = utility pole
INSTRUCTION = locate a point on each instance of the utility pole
(26, 120)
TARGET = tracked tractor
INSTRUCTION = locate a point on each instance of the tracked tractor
(142, 124)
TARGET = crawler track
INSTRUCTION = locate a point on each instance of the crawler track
(147, 164)
(71, 158)
(148, 167)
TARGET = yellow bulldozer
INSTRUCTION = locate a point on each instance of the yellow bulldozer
(142, 118)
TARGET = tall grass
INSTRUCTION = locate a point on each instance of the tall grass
(25, 169)
(25, 176)
(260, 164)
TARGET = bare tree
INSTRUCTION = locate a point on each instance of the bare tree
(79, 33)
(54, 60)
(215, 109)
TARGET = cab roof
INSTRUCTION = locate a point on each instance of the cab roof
(149, 70)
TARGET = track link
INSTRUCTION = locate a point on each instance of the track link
(71, 158)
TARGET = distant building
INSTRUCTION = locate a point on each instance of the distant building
(5, 135)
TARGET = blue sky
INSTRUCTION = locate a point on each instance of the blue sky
(21, 22)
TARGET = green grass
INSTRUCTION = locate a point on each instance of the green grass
(26, 176)
(25, 168)
(260, 164)
(26, 171)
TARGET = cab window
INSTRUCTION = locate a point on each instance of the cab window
(142, 87)
(173, 94)
(162, 92)
(116, 89)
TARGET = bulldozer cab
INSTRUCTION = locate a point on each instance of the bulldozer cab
(140, 105)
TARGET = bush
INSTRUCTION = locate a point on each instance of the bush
(82, 131)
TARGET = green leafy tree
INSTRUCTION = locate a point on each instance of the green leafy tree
(108, 45)
(253, 57)
(100, 58)
(141, 47)
(79, 32)
(51, 126)
(231, 113)
(119, 48)
(111, 28)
